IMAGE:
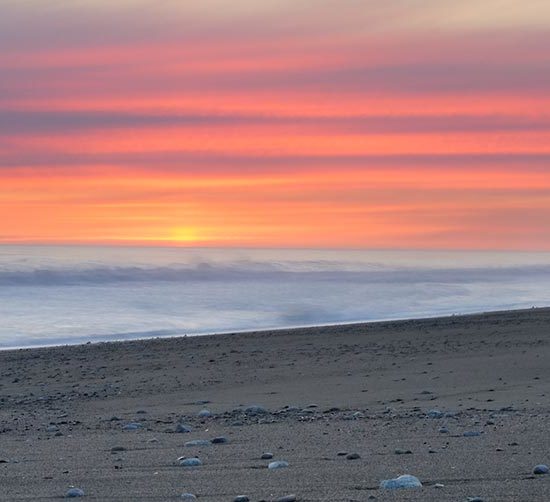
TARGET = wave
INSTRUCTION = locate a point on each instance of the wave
(260, 271)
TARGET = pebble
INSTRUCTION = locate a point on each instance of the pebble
(255, 410)
(190, 462)
(353, 456)
(435, 414)
(541, 469)
(398, 451)
(401, 482)
(444, 430)
(220, 440)
(116, 449)
(471, 434)
(52, 428)
(278, 464)
(74, 492)
(439, 485)
(182, 428)
(475, 499)
(198, 442)
(204, 413)
(241, 498)
(267, 456)
(132, 427)
(188, 496)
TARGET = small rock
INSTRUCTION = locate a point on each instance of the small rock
(439, 485)
(402, 482)
(204, 414)
(353, 456)
(471, 434)
(188, 496)
(444, 430)
(435, 414)
(540, 469)
(267, 456)
(116, 449)
(398, 451)
(190, 462)
(74, 492)
(278, 464)
(475, 499)
(133, 426)
(255, 410)
(220, 440)
(183, 429)
(241, 498)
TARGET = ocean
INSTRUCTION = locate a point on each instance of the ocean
(52, 295)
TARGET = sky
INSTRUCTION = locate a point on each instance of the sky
(416, 124)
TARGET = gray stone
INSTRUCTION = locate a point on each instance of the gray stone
(540, 469)
(353, 456)
(204, 414)
(471, 434)
(267, 456)
(133, 426)
(183, 429)
(255, 410)
(400, 483)
(74, 492)
(220, 440)
(241, 498)
(190, 462)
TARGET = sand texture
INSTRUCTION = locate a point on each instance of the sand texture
(321, 394)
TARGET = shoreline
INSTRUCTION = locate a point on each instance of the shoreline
(458, 401)
(315, 326)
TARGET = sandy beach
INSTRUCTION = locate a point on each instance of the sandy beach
(460, 402)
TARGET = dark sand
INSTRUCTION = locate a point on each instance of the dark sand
(492, 371)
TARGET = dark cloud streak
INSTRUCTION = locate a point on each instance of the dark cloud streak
(52, 122)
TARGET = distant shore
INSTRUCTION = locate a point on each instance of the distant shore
(346, 406)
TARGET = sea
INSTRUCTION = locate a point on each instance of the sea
(56, 295)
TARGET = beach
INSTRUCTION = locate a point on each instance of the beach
(460, 402)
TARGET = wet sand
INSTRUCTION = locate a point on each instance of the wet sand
(364, 389)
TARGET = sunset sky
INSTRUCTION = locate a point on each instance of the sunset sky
(291, 123)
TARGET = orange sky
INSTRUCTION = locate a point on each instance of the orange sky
(291, 124)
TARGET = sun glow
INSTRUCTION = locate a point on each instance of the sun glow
(185, 235)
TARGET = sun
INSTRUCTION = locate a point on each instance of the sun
(184, 234)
